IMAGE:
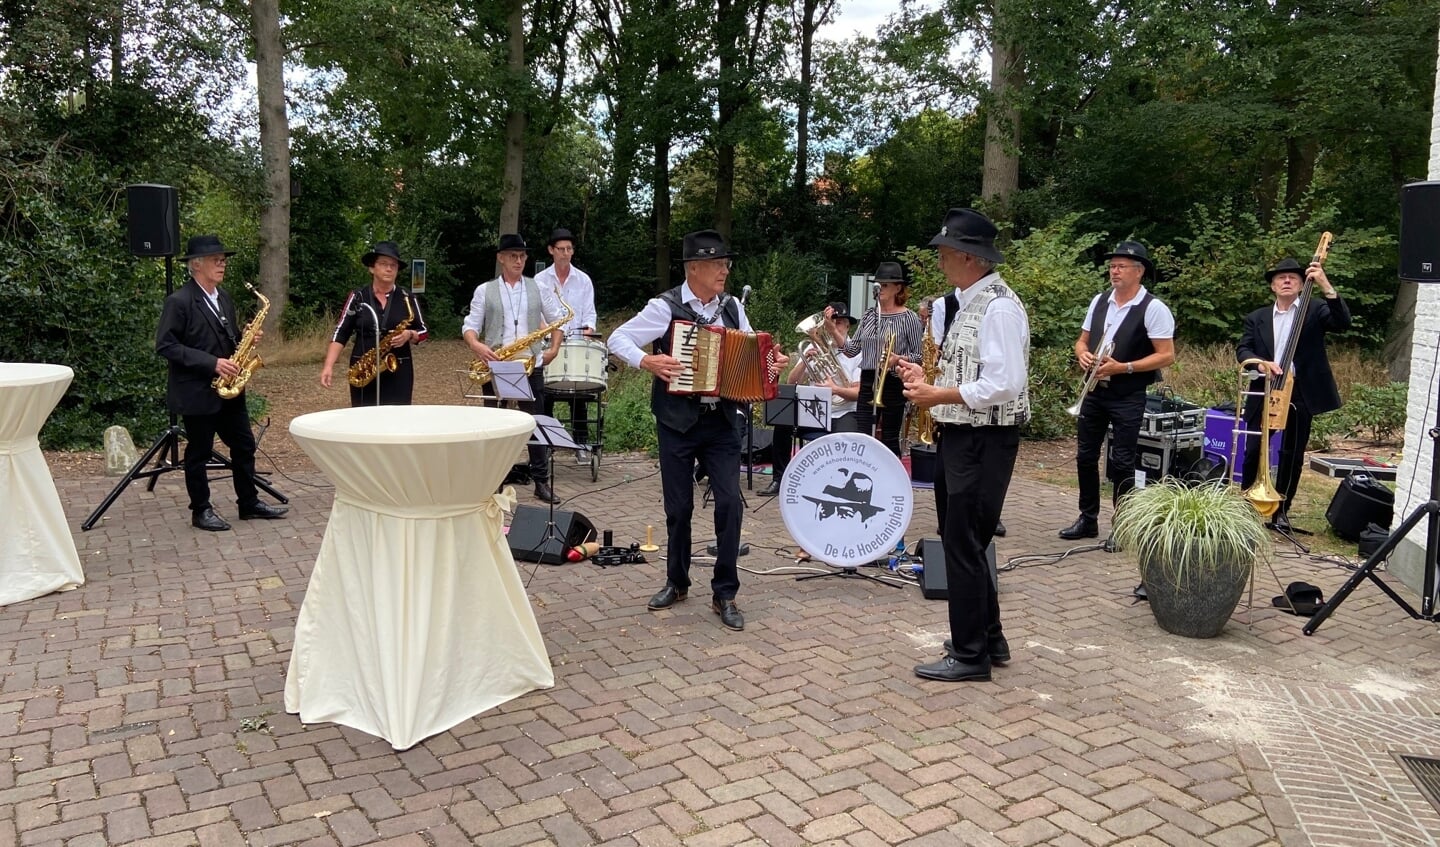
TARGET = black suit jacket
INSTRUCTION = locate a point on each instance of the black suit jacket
(1315, 389)
(192, 337)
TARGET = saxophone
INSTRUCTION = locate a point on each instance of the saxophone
(480, 369)
(919, 424)
(368, 366)
(245, 355)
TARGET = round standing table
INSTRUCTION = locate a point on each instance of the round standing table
(415, 618)
(37, 552)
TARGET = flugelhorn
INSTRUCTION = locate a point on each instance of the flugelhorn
(1092, 378)
(1262, 495)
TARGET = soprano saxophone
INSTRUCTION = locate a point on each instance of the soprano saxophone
(480, 369)
(245, 356)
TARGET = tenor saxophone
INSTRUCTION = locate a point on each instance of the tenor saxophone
(245, 356)
(919, 425)
(480, 369)
(368, 366)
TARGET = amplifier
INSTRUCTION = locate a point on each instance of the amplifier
(933, 584)
(1165, 414)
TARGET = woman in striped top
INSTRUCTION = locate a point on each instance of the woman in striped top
(889, 316)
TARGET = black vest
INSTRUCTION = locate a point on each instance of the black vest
(680, 411)
(1132, 342)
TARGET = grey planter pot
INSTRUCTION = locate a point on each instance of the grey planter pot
(1200, 603)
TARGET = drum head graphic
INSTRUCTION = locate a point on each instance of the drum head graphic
(846, 500)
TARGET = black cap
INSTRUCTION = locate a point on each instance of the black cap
(381, 248)
(204, 245)
(970, 232)
(840, 311)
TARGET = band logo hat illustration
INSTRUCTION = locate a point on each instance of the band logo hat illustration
(846, 499)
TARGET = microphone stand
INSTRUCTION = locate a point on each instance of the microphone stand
(379, 366)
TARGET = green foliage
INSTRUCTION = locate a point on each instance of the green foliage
(629, 423)
(1188, 532)
(786, 287)
(1054, 385)
(1374, 412)
(1054, 277)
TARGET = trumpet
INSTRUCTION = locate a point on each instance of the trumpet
(1263, 495)
(1092, 378)
(882, 369)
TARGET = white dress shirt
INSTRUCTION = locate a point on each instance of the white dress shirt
(629, 340)
(1159, 322)
(516, 299)
(578, 292)
(1004, 341)
(1282, 322)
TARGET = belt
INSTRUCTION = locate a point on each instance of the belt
(709, 407)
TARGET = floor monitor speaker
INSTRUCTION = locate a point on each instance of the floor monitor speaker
(932, 580)
(1420, 232)
(530, 538)
(154, 212)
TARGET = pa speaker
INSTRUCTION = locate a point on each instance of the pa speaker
(933, 585)
(531, 539)
(1420, 232)
(154, 220)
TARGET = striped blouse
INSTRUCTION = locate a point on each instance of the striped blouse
(874, 328)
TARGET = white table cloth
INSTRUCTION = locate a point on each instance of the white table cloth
(415, 618)
(37, 552)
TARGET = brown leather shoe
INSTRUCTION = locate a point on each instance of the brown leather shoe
(729, 613)
(667, 596)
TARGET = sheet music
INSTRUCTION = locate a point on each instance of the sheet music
(510, 381)
(551, 433)
(812, 407)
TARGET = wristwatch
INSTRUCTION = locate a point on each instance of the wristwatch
(1129, 367)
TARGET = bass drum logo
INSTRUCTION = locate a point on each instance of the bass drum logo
(846, 499)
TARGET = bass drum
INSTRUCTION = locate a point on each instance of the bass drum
(579, 366)
(846, 499)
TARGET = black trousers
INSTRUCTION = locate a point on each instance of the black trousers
(891, 415)
(1293, 442)
(978, 463)
(232, 424)
(714, 443)
(1122, 416)
(395, 388)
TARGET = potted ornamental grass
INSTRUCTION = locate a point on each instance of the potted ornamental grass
(1196, 546)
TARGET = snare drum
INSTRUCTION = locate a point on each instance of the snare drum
(846, 499)
(579, 366)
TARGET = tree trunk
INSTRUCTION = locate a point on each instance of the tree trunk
(275, 161)
(514, 125)
(661, 203)
(1000, 175)
(729, 24)
(1402, 331)
(1300, 156)
(808, 25)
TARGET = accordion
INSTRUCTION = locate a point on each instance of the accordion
(728, 363)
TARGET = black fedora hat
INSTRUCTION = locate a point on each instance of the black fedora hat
(840, 312)
(204, 245)
(560, 234)
(1285, 265)
(891, 272)
(382, 248)
(511, 241)
(970, 232)
(704, 244)
(1132, 250)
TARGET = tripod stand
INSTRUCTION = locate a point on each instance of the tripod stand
(1430, 511)
(165, 452)
(847, 572)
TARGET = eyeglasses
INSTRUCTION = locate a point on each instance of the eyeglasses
(727, 264)
(559, 249)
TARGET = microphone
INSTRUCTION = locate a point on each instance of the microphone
(875, 291)
(744, 294)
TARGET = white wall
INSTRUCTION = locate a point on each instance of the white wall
(1413, 479)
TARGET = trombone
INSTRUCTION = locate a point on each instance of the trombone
(1092, 378)
(1263, 495)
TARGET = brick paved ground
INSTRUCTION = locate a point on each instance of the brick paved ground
(146, 707)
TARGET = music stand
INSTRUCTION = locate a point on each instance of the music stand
(165, 452)
(1430, 511)
(550, 433)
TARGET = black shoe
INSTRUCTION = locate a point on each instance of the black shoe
(949, 669)
(207, 520)
(544, 494)
(667, 596)
(1140, 593)
(260, 511)
(999, 529)
(1082, 528)
(729, 613)
(1280, 522)
(772, 489)
(997, 647)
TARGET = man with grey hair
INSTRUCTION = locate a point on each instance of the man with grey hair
(980, 400)
(197, 335)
